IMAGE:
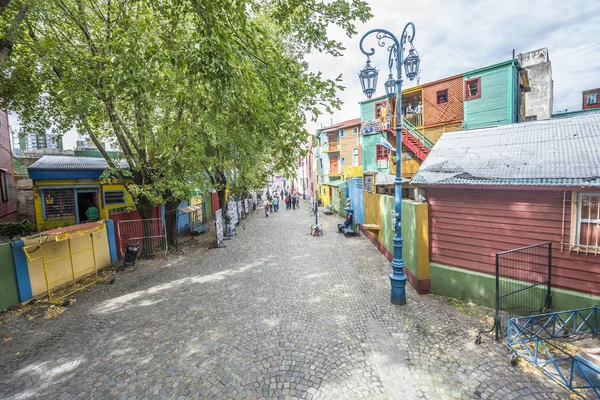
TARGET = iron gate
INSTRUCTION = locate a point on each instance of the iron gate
(523, 284)
(149, 233)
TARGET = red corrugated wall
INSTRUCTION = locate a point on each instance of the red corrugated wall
(468, 227)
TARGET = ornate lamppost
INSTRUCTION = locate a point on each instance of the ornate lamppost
(393, 87)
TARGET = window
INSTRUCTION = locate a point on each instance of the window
(588, 221)
(382, 152)
(341, 133)
(368, 183)
(112, 197)
(355, 156)
(473, 89)
(58, 202)
(343, 161)
(3, 188)
(592, 98)
(442, 96)
(531, 118)
(354, 131)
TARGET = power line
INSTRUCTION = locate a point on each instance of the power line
(576, 51)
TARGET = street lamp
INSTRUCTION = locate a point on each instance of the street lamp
(394, 87)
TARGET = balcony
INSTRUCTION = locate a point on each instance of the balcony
(332, 147)
(412, 108)
(416, 118)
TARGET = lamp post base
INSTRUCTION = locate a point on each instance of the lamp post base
(398, 295)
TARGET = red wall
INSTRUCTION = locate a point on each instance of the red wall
(468, 227)
(7, 209)
(136, 230)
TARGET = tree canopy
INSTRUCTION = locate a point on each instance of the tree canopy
(191, 90)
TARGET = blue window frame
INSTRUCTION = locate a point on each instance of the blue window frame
(341, 133)
(114, 197)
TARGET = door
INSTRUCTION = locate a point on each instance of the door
(86, 199)
(333, 165)
(333, 141)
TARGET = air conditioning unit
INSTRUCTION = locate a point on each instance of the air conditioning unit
(382, 163)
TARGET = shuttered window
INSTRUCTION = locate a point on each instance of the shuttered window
(3, 187)
(112, 197)
(59, 202)
(588, 221)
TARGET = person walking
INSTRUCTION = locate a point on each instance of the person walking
(294, 201)
(266, 207)
(276, 203)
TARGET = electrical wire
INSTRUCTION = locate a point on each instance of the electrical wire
(576, 51)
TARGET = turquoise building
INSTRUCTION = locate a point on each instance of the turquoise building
(493, 95)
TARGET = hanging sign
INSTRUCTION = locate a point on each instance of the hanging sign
(219, 226)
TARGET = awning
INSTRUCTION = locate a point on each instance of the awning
(387, 179)
(189, 209)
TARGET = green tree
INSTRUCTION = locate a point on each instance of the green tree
(190, 90)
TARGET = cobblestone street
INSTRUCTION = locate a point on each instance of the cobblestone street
(276, 314)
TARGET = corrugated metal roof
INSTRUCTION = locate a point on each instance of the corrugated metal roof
(340, 125)
(555, 152)
(62, 163)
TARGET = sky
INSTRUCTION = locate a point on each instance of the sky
(456, 36)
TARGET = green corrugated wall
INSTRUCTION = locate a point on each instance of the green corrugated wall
(8, 283)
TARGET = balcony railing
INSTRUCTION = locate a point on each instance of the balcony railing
(416, 119)
(333, 146)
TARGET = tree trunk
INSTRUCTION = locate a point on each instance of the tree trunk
(222, 202)
(144, 207)
(171, 221)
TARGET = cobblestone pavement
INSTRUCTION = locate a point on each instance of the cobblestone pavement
(275, 314)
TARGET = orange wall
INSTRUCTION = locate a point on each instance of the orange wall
(452, 111)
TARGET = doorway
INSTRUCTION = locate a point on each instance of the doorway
(85, 200)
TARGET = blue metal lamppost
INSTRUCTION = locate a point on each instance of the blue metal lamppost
(393, 87)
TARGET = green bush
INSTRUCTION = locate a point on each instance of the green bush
(12, 230)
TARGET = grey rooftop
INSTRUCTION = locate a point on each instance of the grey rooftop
(556, 152)
(62, 163)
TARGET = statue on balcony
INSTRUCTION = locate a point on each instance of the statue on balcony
(384, 116)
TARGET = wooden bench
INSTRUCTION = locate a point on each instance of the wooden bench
(352, 230)
(371, 227)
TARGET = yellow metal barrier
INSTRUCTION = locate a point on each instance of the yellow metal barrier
(50, 284)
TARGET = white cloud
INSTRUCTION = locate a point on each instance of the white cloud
(456, 36)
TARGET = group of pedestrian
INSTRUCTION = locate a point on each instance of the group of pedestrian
(271, 202)
(292, 201)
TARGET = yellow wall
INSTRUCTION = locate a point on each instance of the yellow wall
(422, 235)
(347, 145)
(436, 132)
(59, 271)
(324, 195)
(351, 172)
(58, 222)
(409, 168)
(372, 210)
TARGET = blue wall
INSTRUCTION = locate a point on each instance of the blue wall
(357, 202)
(182, 219)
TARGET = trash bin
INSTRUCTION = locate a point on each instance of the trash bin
(131, 254)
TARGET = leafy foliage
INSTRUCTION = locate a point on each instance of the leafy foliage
(191, 90)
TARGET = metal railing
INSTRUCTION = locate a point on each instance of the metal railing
(149, 233)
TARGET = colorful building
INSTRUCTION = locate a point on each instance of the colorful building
(65, 187)
(511, 186)
(590, 99)
(8, 192)
(442, 107)
(493, 95)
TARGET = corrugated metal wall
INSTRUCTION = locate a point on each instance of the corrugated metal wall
(468, 227)
(355, 191)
